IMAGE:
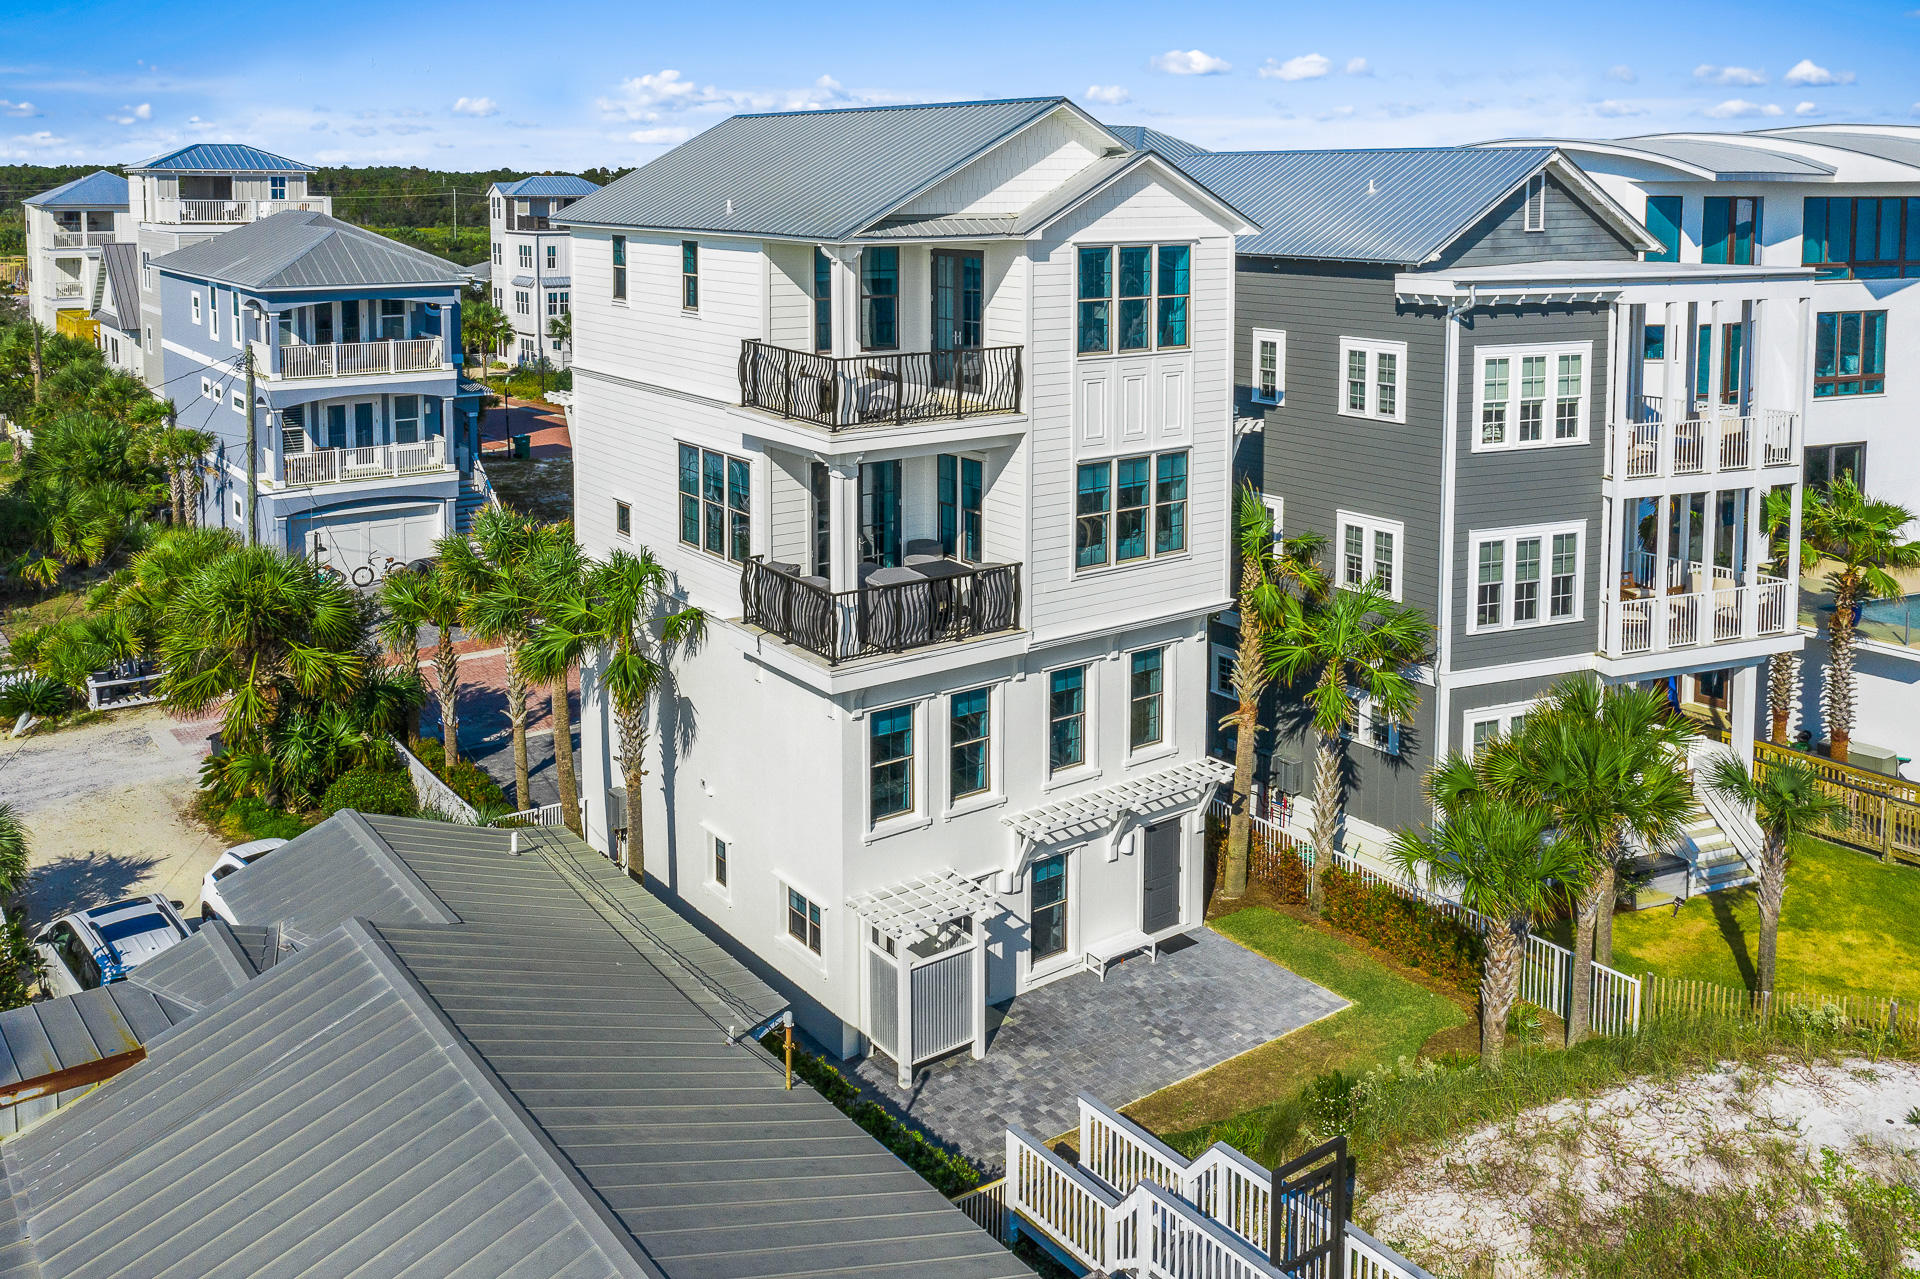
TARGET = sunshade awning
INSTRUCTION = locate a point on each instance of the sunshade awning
(1097, 809)
(918, 906)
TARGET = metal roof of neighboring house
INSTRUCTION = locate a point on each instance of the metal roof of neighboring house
(548, 185)
(815, 175)
(482, 272)
(1902, 147)
(219, 157)
(121, 310)
(100, 190)
(1399, 206)
(440, 1101)
(57, 1034)
(1723, 157)
(1142, 138)
(398, 871)
(308, 250)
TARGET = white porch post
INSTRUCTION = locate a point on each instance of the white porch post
(1745, 694)
(843, 520)
(1662, 610)
(846, 300)
(979, 960)
(903, 1000)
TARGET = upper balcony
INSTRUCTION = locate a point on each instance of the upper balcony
(232, 212)
(65, 238)
(892, 389)
(306, 362)
(1701, 439)
(931, 599)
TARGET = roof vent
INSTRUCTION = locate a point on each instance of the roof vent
(729, 206)
(1372, 189)
(513, 844)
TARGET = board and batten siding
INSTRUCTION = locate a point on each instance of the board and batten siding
(1511, 488)
(1571, 232)
(1321, 462)
(1186, 404)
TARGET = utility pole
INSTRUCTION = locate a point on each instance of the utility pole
(253, 460)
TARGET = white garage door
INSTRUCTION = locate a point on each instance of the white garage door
(360, 539)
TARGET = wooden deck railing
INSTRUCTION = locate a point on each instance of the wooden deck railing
(879, 390)
(1883, 812)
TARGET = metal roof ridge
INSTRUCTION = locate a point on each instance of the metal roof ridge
(403, 875)
(893, 106)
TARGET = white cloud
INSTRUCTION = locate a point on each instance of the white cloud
(133, 115)
(1807, 71)
(1806, 108)
(644, 97)
(17, 108)
(1728, 75)
(1733, 108)
(647, 99)
(660, 135)
(1308, 66)
(1615, 107)
(475, 106)
(1623, 73)
(1112, 95)
(1190, 62)
(1358, 66)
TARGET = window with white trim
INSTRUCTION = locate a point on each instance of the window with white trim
(1370, 727)
(196, 308)
(526, 256)
(1536, 215)
(1269, 364)
(213, 312)
(496, 253)
(1494, 721)
(1532, 396)
(803, 920)
(239, 402)
(1373, 379)
(1527, 577)
(1221, 661)
(207, 389)
(1276, 511)
(718, 851)
(146, 271)
(520, 303)
(553, 256)
(559, 303)
(1371, 550)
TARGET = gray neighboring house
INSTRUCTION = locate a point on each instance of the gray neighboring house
(1461, 372)
(118, 311)
(488, 1053)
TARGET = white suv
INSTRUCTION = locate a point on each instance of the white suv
(239, 857)
(97, 947)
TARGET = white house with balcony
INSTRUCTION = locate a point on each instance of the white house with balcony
(67, 230)
(532, 262)
(929, 409)
(365, 435)
(195, 192)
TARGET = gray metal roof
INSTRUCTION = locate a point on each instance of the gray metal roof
(1397, 207)
(337, 871)
(122, 264)
(101, 190)
(1722, 157)
(547, 185)
(1142, 138)
(208, 966)
(38, 1039)
(816, 175)
(307, 250)
(1900, 148)
(219, 157)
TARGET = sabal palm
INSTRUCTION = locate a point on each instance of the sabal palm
(412, 600)
(254, 631)
(1783, 669)
(1862, 538)
(141, 593)
(1608, 766)
(560, 574)
(1790, 805)
(1504, 860)
(1356, 639)
(626, 616)
(14, 847)
(1274, 580)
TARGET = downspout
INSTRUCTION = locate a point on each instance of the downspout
(1449, 483)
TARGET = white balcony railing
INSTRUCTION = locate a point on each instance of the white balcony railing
(1710, 442)
(1729, 610)
(359, 359)
(64, 288)
(230, 212)
(375, 461)
(81, 239)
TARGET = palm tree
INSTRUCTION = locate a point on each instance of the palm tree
(484, 328)
(1273, 581)
(1783, 669)
(627, 616)
(257, 631)
(1790, 805)
(1505, 861)
(1357, 639)
(1607, 766)
(140, 594)
(14, 846)
(560, 329)
(412, 600)
(1862, 539)
(552, 654)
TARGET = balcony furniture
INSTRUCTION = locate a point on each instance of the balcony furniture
(877, 390)
(1101, 955)
(924, 550)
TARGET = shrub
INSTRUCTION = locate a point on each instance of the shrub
(21, 967)
(467, 779)
(371, 789)
(251, 818)
(1411, 931)
(39, 695)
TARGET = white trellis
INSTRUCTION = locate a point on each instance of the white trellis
(1190, 782)
(925, 974)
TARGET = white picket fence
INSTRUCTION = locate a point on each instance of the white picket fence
(545, 815)
(1546, 973)
(1134, 1204)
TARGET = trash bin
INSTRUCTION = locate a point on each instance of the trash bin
(523, 446)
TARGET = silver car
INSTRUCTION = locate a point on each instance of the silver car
(97, 947)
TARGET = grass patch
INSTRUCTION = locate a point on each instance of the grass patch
(1850, 925)
(1390, 1016)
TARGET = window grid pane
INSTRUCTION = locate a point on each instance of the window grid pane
(1170, 508)
(1526, 579)
(1357, 381)
(1353, 563)
(1383, 559)
(890, 750)
(1566, 565)
(967, 733)
(1269, 370)
(1491, 583)
(1130, 510)
(1090, 514)
(1387, 382)
(1493, 402)
(1145, 689)
(1067, 718)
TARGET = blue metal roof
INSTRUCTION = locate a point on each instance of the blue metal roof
(1398, 207)
(547, 184)
(100, 190)
(1142, 138)
(220, 157)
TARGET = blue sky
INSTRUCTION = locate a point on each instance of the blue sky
(538, 86)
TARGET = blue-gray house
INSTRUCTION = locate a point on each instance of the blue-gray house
(367, 440)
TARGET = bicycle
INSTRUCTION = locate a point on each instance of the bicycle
(371, 574)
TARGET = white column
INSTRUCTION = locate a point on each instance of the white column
(1744, 697)
(979, 986)
(903, 1002)
(1662, 611)
(843, 515)
(846, 301)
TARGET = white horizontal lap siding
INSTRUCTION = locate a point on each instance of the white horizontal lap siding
(1003, 507)
(790, 506)
(790, 295)
(652, 338)
(1005, 321)
(1014, 174)
(1139, 209)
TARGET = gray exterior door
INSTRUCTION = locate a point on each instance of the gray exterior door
(1160, 897)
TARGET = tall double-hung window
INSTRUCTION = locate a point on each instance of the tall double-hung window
(1066, 718)
(880, 299)
(822, 301)
(1527, 577)
(620, 268)
(1134, 297)
(1371, 550)
(969, 726)
(890, 763)
(690, 275)
(715, 505)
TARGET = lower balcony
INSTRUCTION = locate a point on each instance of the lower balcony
(931, 600)
(1641, 620)
(311, 467)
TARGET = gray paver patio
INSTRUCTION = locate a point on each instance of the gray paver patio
(1148, 1025)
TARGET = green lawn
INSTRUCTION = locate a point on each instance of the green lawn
(1851, 925)
(1388, 1016)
